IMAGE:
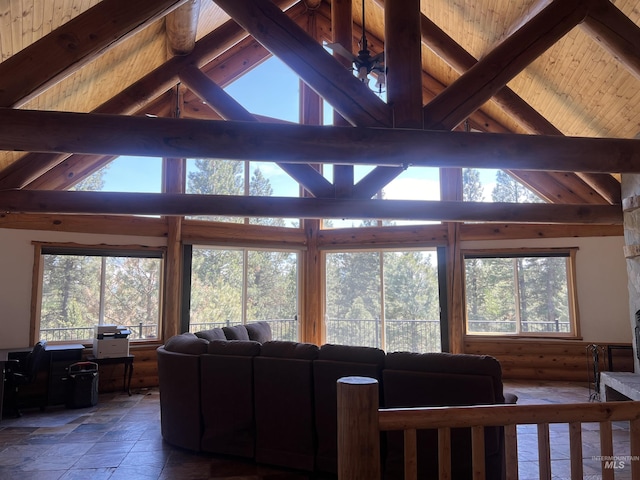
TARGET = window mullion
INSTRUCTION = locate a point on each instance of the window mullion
(245, 287)
(516, 274)
(383, 330)
(103, 276)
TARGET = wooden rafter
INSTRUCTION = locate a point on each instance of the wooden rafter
(491, 74)
(57, 55)
(286, 40)
(456, 56)
(616, 32)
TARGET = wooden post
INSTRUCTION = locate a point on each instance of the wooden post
(358, 432)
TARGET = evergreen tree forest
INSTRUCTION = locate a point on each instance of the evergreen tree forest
(388, 299)
(82, 290)
(513, 294)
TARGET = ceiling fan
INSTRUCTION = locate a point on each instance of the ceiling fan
(364, 63)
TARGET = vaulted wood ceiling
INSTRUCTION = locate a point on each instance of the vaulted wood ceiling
(548, 68)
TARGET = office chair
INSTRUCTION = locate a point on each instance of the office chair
(22, 372)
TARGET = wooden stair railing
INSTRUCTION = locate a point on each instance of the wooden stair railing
(360, 422)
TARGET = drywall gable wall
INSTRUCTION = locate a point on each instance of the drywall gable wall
(16, 266)
(603, 296)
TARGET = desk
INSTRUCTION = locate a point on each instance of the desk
(127, 361)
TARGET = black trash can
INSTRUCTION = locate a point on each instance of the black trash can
(82, 385)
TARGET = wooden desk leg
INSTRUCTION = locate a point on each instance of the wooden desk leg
(128, 388)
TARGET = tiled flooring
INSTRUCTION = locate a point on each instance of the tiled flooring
(120, 439)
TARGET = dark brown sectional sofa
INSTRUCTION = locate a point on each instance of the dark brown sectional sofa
(234, 391)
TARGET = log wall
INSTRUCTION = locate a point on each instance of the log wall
(535, 359)
(145, 371)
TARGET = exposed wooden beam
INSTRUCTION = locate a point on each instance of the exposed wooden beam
(63, 132)
(72, 45)
(404, 83)
(134, 98)
(616, 33)
(342, 30)
(78, 202)
(285, 39)
(181, 26)
(229, 109)
(456, 56)
(504, 62)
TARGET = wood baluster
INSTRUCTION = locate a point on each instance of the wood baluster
(575, 448)
(634, 438)
(544, 451)
(444, 453)
(410, 455)
(477, 452)
(606, 449)
(511, 451)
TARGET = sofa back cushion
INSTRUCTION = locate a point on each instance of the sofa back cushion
(180, 408)
(449, 363)
(284, 349)
(245, 348)
(442, 379)
(237, 332)
(333, 363)
(283, 389)
(213, 334)
(259, 331)
(186, 343)
(227, 397)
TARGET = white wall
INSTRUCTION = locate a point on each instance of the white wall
(603, 296)
(16, 265)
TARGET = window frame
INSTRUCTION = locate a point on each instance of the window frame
(103, 250)
(245, 249)
(381, 251)
(570, 253)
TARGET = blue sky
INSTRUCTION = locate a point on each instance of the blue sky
(272, 89)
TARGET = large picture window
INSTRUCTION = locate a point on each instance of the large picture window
(231, 286)
(80, 287)
(521, 293)
(384, 299)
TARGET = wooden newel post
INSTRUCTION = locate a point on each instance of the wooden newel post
(358, 432)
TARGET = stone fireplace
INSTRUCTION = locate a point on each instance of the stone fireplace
(628, 383)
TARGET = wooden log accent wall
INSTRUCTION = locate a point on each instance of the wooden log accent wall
(145, 371)
(536, 359)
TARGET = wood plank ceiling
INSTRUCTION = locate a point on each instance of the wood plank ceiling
(551, 68)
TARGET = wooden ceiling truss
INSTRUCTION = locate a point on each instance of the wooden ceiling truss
(385, 134)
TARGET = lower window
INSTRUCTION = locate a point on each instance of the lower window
(83, 286)
(521, 292)
(231, 286)
(384, 299)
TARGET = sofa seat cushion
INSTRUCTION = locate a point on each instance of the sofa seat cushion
(284, 349)
(259, 331)
(245, 348)
(213, 334)
(237, 332)
(186, 343)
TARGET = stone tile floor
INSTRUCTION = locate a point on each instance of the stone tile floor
(120, 439)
